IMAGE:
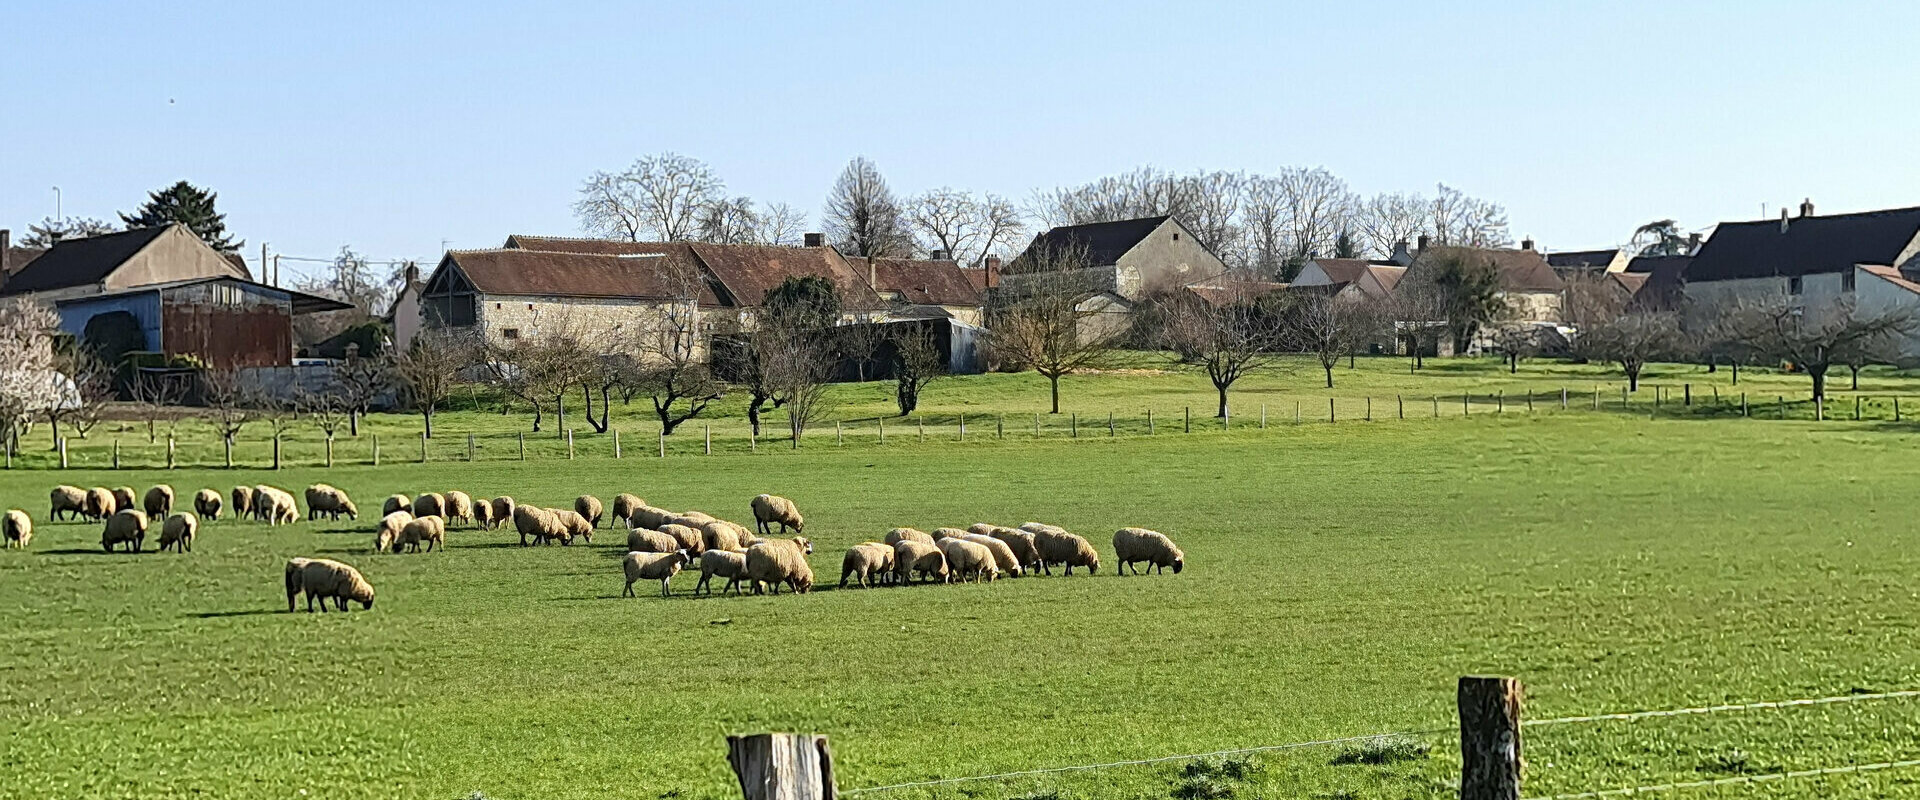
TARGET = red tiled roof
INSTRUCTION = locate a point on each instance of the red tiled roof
(921, 282)
(744, 271)
(638, 274)
(1520, 270)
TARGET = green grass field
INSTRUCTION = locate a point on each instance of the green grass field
(1341, 578)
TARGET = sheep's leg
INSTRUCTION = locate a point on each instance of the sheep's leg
(628, 592)
(665, 590)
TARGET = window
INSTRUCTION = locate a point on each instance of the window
(1846, 281)
(1176, 236)
(1793, 285)
(509, 333)
(496, 306)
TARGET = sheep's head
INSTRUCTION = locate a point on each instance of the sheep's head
(806, 545)
(353, 512)
(1179, 563)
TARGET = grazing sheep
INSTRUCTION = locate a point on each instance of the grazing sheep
(129, 526)
(430, 504)
(177, 532)
(968, 559)
(459, 506)
(100, 504)
(724, 563)
(769, 509)
(541, 524)
(692, 541)
(642, 540)
(940, 534)
(1003, 555)
(124, 498)
(396, 502)
(698, 518)
(777, 561)
(865, 562)
(625, 504)
(898, 535)
(1059, 547)
(575, 523)
(432, 530)
(325, 579)
(275, 505)
(653, 566)
(68, 500)
(1020, 542)
(483, 513)
(389, 533)
(18, 528)
(242, 502)
(912, 555)
(324, 499)
(719, 534)
(502, 510)
(589, 508)
(646, 516)
(159, 502)
(1134, 545)
(206, 503)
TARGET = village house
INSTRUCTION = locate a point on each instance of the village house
(1532, 294)
(1353, 278)
(1577, 262)
(1116, 264)
(923, 288)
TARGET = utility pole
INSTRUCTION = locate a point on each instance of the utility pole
(58, 212)
(263, 262)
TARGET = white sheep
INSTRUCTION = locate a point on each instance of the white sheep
(1134, 545)
(653, 566)
(459, 507)
(968, 559)
(769, 509)
(898, 535)
(128, 526)
(692, 541)
(324, 499)
(177, 532)
(325, 579)
(1060, 547)
(242, 502)
(865, 562)
(18, 529)
(429, 529)
(101, 504)
(646, 516)
(430, 504)
(1020, 542)
(1003, 556)
(502, 510)
(625, 504)
(642, 540)
(388, 535)
(776, 561)
(575, 523)
(68, 500)
(483, 513)
(913, 555)
(206, 503)
(123, 498)
(727, 564)
(396, 502)
(589, 508)
(275, 505)
(540, 524)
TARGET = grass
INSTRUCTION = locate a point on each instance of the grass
(1341, 577)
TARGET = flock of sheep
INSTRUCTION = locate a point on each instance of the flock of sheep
(660, 543)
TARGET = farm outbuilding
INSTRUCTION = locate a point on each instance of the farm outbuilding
(223, 322)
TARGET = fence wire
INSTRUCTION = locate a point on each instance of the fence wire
(1677, 712)
(1743, 779)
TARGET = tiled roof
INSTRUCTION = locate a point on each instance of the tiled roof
(921, 282)
(1805, 245)
(1104, 242)
(80, 262)
(743, 273)
(639, 274)
(1520, 270)
(1578, 259)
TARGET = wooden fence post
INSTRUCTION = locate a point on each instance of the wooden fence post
(922, 419)
(63, 453)
(1149, 422)
(329, 451)
(1036, 426)
(963, 427)
(170, 446)
(1500, 402)
(1563, 398)
(1263, 416)
(8, 446)
(1596, 398)
(569, 444)
(423, 447)
(276, 451)
(1529, 401)
(883, 431)
(1743, 404)
(1896, 409)
(1296, 412)
(1369, 408)
(1436, 406)
(839, 434)
(523, 445)
(1000, 426)
(709, 437)
(1189, 419)
(616, 444)
(1687, 399)
(1489, 738)
(1780, 402)
(1329, 410)
(116, 454)
(1073, 424)
(1400, 403)
(376, 449)
(1226, 419)
(1856, 409)
(1465, 410)
(663, 441)
(1110, 432)
(469, 447)
(783, 766)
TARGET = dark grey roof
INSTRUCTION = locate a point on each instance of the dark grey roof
(301, 302)
(1104, 242)
(1666, 277)
(80, 262)
(1808, 246)
(1581, 258)
(1652, 264)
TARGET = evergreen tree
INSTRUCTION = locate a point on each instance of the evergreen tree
(1345, 247)
(189, 205)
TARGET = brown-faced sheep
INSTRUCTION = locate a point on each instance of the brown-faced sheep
(206, 503)
(129, 526)
(325, 579)
(542, 525)
(940, 534)
(653, 566)
(625, 504)
(177, 532)
(502, 510)
(324, 499)
(1134, 545)
(1072, 550)
(18, 529)
(769, 509)
(1003, 556)
(865, 563)
(692, 541)
(968, 560)
(430, 504)
(914, 556)
(642, 540)
(589, 509)
(101, 504)
(68, 500)
(388, 536)
(898, 535)
(159, 502)
(459, 507)
(1020, 542)
(577, 526)
(432, 530)
(124, 498)
(724, 563)
(776, 561)
(242, 502)
(396, 502)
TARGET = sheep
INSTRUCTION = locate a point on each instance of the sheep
(576, 525)
(430, 529)
(946, 533)
(642, 540)
(1059, 547)
(625, 504)
(540, 524)
(912, 555)
(777, 561)
(324, 499)
(692, 541)
(483, 513)
(1134, 545)
(646, 516)
(698, 517)
(502, 510)
(206, 503)
(129, 526)
(727, 564)
(459, 506)
(1020, 542)
(389, 532)
(242, 502)
(159, 501)
(653, 566)
(100, 504)
(719, 534)
(769, 509)
(968, 559)
(589, 508)
(18, 528)
(898, 535)
(68, 500)
(123, 498)
(325, 579)
(275, 505)
(1003, 556)
(430, 504)
(177, 532)
(865, 562)
(396, 502)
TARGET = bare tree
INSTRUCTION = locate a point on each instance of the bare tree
(1814, 337)
(968, 228)
(326, 408)
(1517, 343)
(780, 224)
(359, 381)
(918, 361)
(28, 382)
(1331, 327)
(1264, 227)
(860, 344)
(428, 370)
(154, 397)
(658, 197)
(862, 216)
(1045, 326)
(50, 231)
(1464, 221)
(729, 221)
(1230, 338)
(1631, 339)
(1318, 207)
(1661, 237)
(1418, 313)
(92, 390)
(230, 406)
(1390, 219)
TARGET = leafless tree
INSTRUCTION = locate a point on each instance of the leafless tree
(862, 217)
(1464, 221)
(28, 382)
(325, 407)
(729, 221)
(1418, 313)
(1044, 327)
(918, 361)
(780, 224)
(968, 228)
(92, 386)
(679, 385)
(1814, 337)
(1230, 338)
(1389, 219)
(230, 404)
(1631, 339)
(1517, 343)
(50, 230)
(359, 381)
(1318, 207)
(428, 370)
(155, 395)
(1331, 327)
(795, 362)
(658, 197)
(860, 344)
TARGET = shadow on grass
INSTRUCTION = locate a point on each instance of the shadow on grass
(89, 551)
(256, 612)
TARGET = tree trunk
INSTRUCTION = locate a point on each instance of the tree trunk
(1736, 373)
(1633, 379)
(1329, 375)
(1349, 360)
(560, 414)
(606, 406)
(1513, 364)
(1223, 401)
(353, 422)
(1055, 381)
(1856, 377)
(753, 413)
(1819, 375)
(538, 414)
(54, 420)
(426, 416)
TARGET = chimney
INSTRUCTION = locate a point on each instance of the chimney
(1423, 243)
(1806, 207)
(1783, 220)
(993, 271)
(816, 240)
(6, 254)
(1693, 243)
(413, 273)
(1527, 243)
(873, 273)
(940, 255)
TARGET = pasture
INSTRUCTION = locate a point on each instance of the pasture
(1340, 578)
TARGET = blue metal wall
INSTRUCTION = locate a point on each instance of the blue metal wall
(145, 307)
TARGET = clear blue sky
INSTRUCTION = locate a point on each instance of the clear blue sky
(391, 127)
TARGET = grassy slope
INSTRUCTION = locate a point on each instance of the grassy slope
(1342, 577)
